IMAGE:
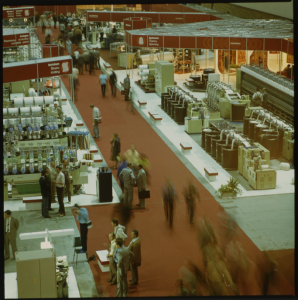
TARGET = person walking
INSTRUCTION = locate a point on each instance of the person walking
(48, 33)
(124, 257)
(11, 225)
(66, 171)
(113, 81)
(53, 175)
(191, 196)
(81, 63)
(49, 181)
(168, 200)
(126, 85)
(128, 178)
(141, 184)
(96, 120)
(97, 58)
(132, 156)
(62, 27)
(91, 63)
(103, 82)
(68, 45)
(60, 181)
(55, 20)
(135, 248)
(44, 188)
(115, 149)
(83, 218)
(110, 256)
(120, 168)
(86, 55)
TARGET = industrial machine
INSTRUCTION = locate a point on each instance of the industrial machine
(222, 97)
(164, 75)
(280, 90)
(271, 131)
(147, 72)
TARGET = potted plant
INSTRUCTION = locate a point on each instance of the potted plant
(230, 189)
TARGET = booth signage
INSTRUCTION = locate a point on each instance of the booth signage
(24, 12)
(155, 41)
(57, 68)
(15, 40)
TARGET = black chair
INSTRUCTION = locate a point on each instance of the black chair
(77, 243)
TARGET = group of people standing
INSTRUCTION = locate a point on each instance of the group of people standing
(52, 180)
(122, 259)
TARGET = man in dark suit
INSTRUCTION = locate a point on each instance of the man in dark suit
(11, 226)
(124, 256)
(135, 248)
(44, 188)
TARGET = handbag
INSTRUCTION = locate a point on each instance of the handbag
(89, 225)
(98, 120)
(144, 194)
(124, 92)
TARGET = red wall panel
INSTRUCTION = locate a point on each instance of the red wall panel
(187, 42)
(155, 41)
(284, 47)
(291, 48)
(154, 16)
(204, 42)
(255, 44)
(220, 43)
(119, 17)
(273, 44)
(238, 43)
(139, 40)
(146, 7)
(172, 18)
(171, 41)
(19, 73)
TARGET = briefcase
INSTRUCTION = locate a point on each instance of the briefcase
(144, 194)
(124, 92)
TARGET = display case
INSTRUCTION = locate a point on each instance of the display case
(118, 47)
(125, 60)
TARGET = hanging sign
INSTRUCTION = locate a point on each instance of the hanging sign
(19, 12)
(155, 41)
(55, 68)
(15, 40)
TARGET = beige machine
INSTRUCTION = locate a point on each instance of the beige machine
(254, 165)
(164, 76)
(125, 60)
(36, 274)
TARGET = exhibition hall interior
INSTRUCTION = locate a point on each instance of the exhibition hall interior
(159, 140)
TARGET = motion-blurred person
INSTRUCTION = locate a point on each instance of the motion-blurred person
(128, 178)
(81, 63)
(115, 149)
(91, 63)
(123, 212)
(168, 200)
(141, 184)
(257, 97)
(132, 157)
(270, 269)
(126, 85)
(113, 81)
(188, 280)
(287, 70)
(97, 58)
(120, 168)
(191, 195)
(135, 247)
(124, 257)
(66, 171)
(48, 33)
(61, 45)
(61, 27)
(68, 46)
(86, 59)
(76, 83)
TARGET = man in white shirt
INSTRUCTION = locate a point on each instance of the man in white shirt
(11, 226)
(60, 182)
(96, 121)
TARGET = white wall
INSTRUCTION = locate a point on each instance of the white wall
(282, 9)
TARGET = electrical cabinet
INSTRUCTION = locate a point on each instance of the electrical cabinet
(164, 76)
(125, 59)
(36, 274)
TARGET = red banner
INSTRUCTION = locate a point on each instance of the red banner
(19, 12)
(27, 70)
(49, 69)
(15, 40)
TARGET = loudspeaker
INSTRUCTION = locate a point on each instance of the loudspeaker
(105, 192)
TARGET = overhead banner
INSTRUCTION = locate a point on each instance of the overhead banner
(19, 12)
(45, 67)
(15, 40)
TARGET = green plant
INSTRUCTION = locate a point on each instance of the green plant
(230, 187)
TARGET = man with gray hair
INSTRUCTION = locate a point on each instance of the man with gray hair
(141, 184)
(96, 120)
(128, 178)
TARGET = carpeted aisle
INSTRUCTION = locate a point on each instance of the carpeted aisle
(163, 250)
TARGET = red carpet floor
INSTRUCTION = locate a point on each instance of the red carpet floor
(163, 250)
